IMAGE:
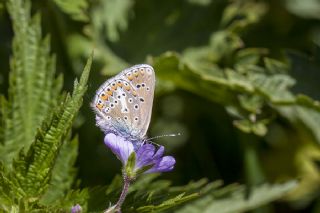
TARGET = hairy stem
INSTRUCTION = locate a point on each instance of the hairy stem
(126, 183)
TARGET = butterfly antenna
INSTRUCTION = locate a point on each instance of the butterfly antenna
(167, 135)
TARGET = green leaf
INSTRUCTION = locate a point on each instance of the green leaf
(248, 126)
(238, 16)
(77, 9)
(33, 89)
(179, 199)
(234, 199)
(246, 91)
(112, 16)
(309, 118)
(130, 166)
(32, 172)
(63, 172)
(148, 194)
(305, 9)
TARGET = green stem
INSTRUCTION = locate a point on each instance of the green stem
(253, 169)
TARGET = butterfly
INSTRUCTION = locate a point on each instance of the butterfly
(123, 104)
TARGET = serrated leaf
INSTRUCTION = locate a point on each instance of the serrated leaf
(238, 16)
(236, 201)
(179, 199)
(248, 126)
(112, 16)
(32, 172)
(33, 90)
(259, 87)
(63, 172)
(75, 8)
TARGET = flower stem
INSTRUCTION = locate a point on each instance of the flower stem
(126, 184)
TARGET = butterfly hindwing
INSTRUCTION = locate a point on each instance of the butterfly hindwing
(124, 102)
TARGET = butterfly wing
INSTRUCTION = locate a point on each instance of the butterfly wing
(124, 103)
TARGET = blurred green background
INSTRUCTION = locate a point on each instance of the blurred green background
(229, 79)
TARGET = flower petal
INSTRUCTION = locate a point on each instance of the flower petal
(76, 209)
(145, 155)
(159, 153)
(165, 164)
(119, 146)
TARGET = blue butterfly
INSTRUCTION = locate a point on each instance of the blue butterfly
(123, 104)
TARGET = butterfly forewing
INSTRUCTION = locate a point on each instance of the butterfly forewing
(124, 102)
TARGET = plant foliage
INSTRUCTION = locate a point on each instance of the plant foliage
(247, 108)
(36, 130)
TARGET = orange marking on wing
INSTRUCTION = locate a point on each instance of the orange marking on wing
(134, 93)
(99, 106)
(104, 97)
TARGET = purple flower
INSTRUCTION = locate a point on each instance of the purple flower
(146, 154)
(76, 209)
